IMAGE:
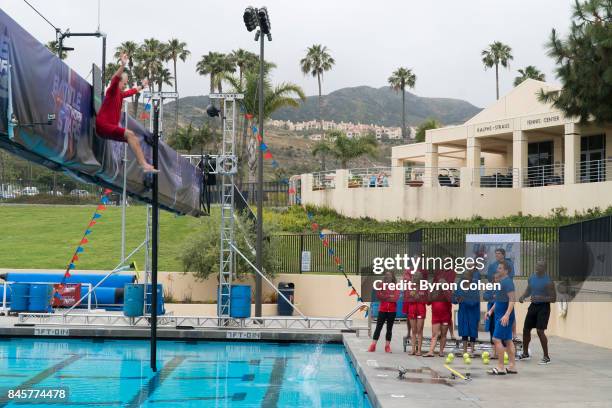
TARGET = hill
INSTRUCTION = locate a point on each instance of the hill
(361, 104)
(382, 106)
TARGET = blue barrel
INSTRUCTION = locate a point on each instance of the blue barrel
(241, 301)
(400, 303)
(160, 299)
(20, 295)
(374, 309)
(133, 300)
(40, 297)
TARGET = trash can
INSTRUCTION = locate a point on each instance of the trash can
(284, 308)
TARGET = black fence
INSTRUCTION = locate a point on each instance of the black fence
(585, 250)
(357, 251)
(275, 193)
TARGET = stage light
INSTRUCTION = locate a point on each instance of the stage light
(212, 111)
(250, 18)
(264, 20)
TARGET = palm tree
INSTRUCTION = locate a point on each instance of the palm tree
(53, 46)
(139, 73)
(428, 124)
(244, 60)
(530, 72)
(130, 48)
(399, 80)
(497, 54)
(176, 50)
(110, 70)
(151, 54)
(322, 149)
(214, 64)
(163, 77)
(279, 96)
(317, 61)
(345, 149)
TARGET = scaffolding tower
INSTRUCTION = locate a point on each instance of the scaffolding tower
(227, 167)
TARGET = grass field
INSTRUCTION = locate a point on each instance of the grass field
(47, 236)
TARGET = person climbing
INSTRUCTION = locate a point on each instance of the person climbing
(107, 120)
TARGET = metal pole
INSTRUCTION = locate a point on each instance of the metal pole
(155, 233)
(259, 242)
(124, 192)
(103, 64)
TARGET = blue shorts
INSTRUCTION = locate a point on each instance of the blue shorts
(503, 333)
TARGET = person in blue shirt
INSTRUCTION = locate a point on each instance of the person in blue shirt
(502, 312)
(468, 316)
(500, 256)
(541, 289)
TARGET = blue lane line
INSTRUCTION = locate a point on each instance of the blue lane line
(41, 377)
(155, 382)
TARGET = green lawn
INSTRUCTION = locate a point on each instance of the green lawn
(46, 236)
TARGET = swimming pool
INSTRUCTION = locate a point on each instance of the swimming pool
(109, 373)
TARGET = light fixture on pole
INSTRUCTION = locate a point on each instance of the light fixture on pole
(253, 18)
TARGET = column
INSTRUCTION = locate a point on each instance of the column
(519, 158)
(431, 165)
(572, 152)
(472, 158)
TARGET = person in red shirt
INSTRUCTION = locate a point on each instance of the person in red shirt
(441, 318)
(415, 302)
(386, 312)
(107, 120)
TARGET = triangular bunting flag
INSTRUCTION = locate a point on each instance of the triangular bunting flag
(337, 260)
(291, 190)
(96, 216)
(325, 242)
(263, 146)
(254, 128)
(107, 191)
(101, 207)
(87, 232)
(353, 292)
(57, 295)
(84, 241)
(321, 235)
(267, 155)
(71, 266)
(314, 226)
(80, 250)
(249, 116)
(331, 251)
(67, 274)
(75, 258)
(259, 138)
(92, 223)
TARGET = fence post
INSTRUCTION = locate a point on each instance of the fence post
(357, 249)
(301, 250)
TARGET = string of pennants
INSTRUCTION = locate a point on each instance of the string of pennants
(146, 113)
(316, 228)
(267, 154)
(84, 239)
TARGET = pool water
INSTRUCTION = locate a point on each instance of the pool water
(116, 373)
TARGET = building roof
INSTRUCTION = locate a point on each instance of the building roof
(520, 101)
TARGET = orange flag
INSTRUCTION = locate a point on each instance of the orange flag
(353, 292)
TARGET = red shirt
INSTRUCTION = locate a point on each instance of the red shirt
(388, 300)
(110, 111)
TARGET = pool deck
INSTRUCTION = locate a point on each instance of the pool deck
(580, 375)
(10, 327)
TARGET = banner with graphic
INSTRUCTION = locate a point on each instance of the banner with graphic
(485, 245)
(47, 116)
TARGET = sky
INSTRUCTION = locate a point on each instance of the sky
(440, 40)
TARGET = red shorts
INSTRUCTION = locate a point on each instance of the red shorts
(441, 313)
(417, 310)
(108, 131)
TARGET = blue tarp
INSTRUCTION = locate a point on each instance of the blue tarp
(35, 83)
